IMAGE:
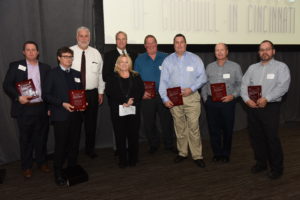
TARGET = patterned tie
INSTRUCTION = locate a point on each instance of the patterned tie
(82, 70)
(123, 52)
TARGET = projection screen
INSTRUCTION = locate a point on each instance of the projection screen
(204, 21)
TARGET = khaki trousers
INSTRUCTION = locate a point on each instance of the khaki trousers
(186, 124)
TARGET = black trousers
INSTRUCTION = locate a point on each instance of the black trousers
(90, 120)
(126, 130)
(33, 126)
(263, 126)
(220, 119)
(67, 139)
(150, 108)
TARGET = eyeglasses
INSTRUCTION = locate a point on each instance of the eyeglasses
(67, 57)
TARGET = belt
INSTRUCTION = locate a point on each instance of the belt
(34, 103)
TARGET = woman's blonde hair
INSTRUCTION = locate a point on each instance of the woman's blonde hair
(116, 69)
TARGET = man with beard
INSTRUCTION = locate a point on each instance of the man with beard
(264, 113)
(89, 62)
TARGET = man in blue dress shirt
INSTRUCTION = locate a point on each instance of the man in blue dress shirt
(184, 69)
(148, 65)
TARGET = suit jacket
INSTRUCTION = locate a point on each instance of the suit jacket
(14, 75)
(110, 59)
(56, 91)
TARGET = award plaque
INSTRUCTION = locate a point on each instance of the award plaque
(175, 96)
(254, 92)
(218, 91)
(27, 88)
(77, 99)
(150, 88)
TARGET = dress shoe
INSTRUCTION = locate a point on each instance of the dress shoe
(179, 159)
(60, 181)
(152, 150)
(274, 175)
(216, 158)
(200, 163)
(225, 159)
(45, 168)
(27, 173)
(92, 155)
(258, 168)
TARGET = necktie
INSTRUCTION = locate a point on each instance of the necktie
(82, 70)
(123, 52)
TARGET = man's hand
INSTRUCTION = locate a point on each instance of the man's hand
(169, 104)
(24, 99)
(227, 98)
(147, 95)
(186, 92)
(262, 102)
(68, 107)
(100, 99)
(251, 104)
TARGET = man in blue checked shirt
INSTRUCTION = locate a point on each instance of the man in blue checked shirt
(184, 69)
(148, 65)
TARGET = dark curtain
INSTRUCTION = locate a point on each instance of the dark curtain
(53, 23)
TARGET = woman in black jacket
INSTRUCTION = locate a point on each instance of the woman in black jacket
(125, 90)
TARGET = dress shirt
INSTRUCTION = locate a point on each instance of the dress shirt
(94, 65)
(186, 71)
(274, 78)
(148, 68)
(121, 51)
(230, 74)
(34, 74)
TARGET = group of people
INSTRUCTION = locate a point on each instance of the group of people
(122, 78)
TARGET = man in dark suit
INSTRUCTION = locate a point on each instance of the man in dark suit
(110, 57)
(31, 113)
(66, 121)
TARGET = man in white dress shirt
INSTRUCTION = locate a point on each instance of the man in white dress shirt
(89, 62)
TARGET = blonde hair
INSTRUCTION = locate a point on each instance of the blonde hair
(116, 69)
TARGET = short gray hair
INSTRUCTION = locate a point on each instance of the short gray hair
(83, 28)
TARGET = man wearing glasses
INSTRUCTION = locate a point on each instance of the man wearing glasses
(66, 121)
(273, 79)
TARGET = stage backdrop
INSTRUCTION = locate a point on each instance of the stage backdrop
(52, 24)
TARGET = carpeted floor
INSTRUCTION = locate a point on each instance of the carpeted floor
(157, 177)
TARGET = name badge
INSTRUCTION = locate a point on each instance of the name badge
(22, 67)
(77, 80)
(190, 69)
(226, 76)
(270, 76)
(160, 68)
(123, 111)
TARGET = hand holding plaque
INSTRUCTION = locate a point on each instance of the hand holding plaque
(218, 91)
(78, 99)
(254, 92)
(27, 88)
(175, 96)
(150, 88)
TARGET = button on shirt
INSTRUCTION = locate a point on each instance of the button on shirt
(34, 74)
(274, 77)
(230, 74)
(94, 64)
(148, 68)
(186, 71)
